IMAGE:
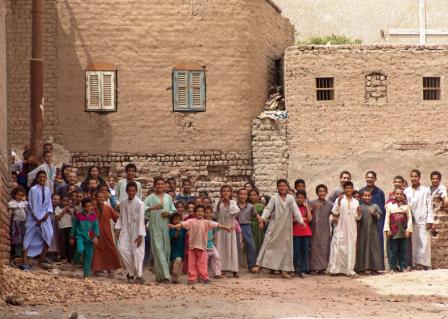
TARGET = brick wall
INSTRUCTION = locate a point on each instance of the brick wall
(439, 242)
(208, 170)
(4, 150)
(270, 153)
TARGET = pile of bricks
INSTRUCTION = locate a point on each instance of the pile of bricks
(376, 88)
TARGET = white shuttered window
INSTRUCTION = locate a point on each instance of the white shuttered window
(189, 90)
(101, 91)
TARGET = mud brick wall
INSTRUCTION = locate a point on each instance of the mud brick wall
(439, 242)
(270, 153)
(208, 170)
(4, 149)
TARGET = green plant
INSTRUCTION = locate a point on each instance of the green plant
(329, 40)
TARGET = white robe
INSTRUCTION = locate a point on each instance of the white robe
(276, 253)
(131, 224)
(36, 236)
(120, 189)
(420, 201)
(343, 244)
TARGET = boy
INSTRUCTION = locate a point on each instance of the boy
(276, 253)
(343, 244)
(177, 237)
(398, 183)
(48, 167)
(398, 228)
(345, 176)
(320, 227)
(86, 231)
(131, 171)
(302, 236)
(419, 198)
(299, 185)
(368, 251)
(198, 236)
(63, 217)
(186, 195)
(244, 218)
(131, 225)
(438, 191)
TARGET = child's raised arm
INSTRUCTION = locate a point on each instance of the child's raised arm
(178, 226)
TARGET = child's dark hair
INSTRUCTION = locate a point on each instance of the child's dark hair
(55, 194)
(255, 190)
(436, 173)
(17, 190)
(129, 166)
(203, 194)
(174, 215)
(199, 207)
(299, 181)
(242, 189)
(345, 173)
(186, 181)
(85, 201)
(208, 208)
(416, 171)
(347, 183)
(158, 178)
(223, 187)
(181, 202)
(131, 184)
(301, 192)
(190, 203)
(321, 186)
(65, 195)
(282, 180)
(371, 172)
(399, 177)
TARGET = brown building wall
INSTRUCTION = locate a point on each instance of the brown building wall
(391, 135)
(4, 150)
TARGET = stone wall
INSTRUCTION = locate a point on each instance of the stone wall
(208, 170)
(4, 149)
(350, 132)
(270, 153)
(439, 242)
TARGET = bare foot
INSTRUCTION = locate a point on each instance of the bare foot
(285, 275)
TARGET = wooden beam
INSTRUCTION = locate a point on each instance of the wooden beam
(422, 20)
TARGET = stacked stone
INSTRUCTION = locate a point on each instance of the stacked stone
(270, 153)
(376, 88)
(439, 242)
(208, 170)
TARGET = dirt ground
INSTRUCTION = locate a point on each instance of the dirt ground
(419, 294)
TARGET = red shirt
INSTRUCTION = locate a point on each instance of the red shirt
(297, 229)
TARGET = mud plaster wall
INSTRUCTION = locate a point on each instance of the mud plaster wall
(4, 150)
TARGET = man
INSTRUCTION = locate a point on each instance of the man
(345, 176)
(378, 198)
(38, 227)
(131, 171)
(438, 191)
(131, 243)
(419, 198)
(186, 195)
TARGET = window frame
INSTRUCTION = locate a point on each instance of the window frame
(437, 90)
(331, 89)
(115, 90)
(189, 90)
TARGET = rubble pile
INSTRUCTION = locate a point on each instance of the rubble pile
(30, 288)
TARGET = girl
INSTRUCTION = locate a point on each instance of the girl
(177, 237)
(180, 208)
(197, 253)
(17, 207)
(225, 212)
(94, 173)
(159, 207)
(302, 236)
(59, 182)
(189, 215)
(258, 234)
(276, 253)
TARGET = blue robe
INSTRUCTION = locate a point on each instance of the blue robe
(36, 236)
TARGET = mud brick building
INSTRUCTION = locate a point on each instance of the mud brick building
(171, 85)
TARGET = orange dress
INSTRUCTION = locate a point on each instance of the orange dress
(106, 256)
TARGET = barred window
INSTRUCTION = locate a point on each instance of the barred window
(325, 89)
(431, 88)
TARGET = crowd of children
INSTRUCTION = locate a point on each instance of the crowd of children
(106, 225)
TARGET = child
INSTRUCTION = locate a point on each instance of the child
(48, 167)
(189, 211)
(276, 253)
(78, 202)
(197, 253)
(368, 251)
(438, 190)
(299, 185)
(321, 230)
(343, 244)
(189, 215)
(110, 199)
(106, 254)
(17, 207)
(213, 255)
(86, 231)
(131, 171)
(186, 195)
(398, 183)
(398, 228)
(180, 208)
(131, 225)
(53, 250)
(177, 237)
(258, 234)
(59, 182)
(63, 217)
(225, 212)
(159, 207)
(302, 236)
(247, 211)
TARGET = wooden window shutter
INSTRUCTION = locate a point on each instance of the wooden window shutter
(93, 88)
(108, 91)
(197, 90)
(180, 85)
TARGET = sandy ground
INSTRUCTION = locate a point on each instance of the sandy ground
(419, 294)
